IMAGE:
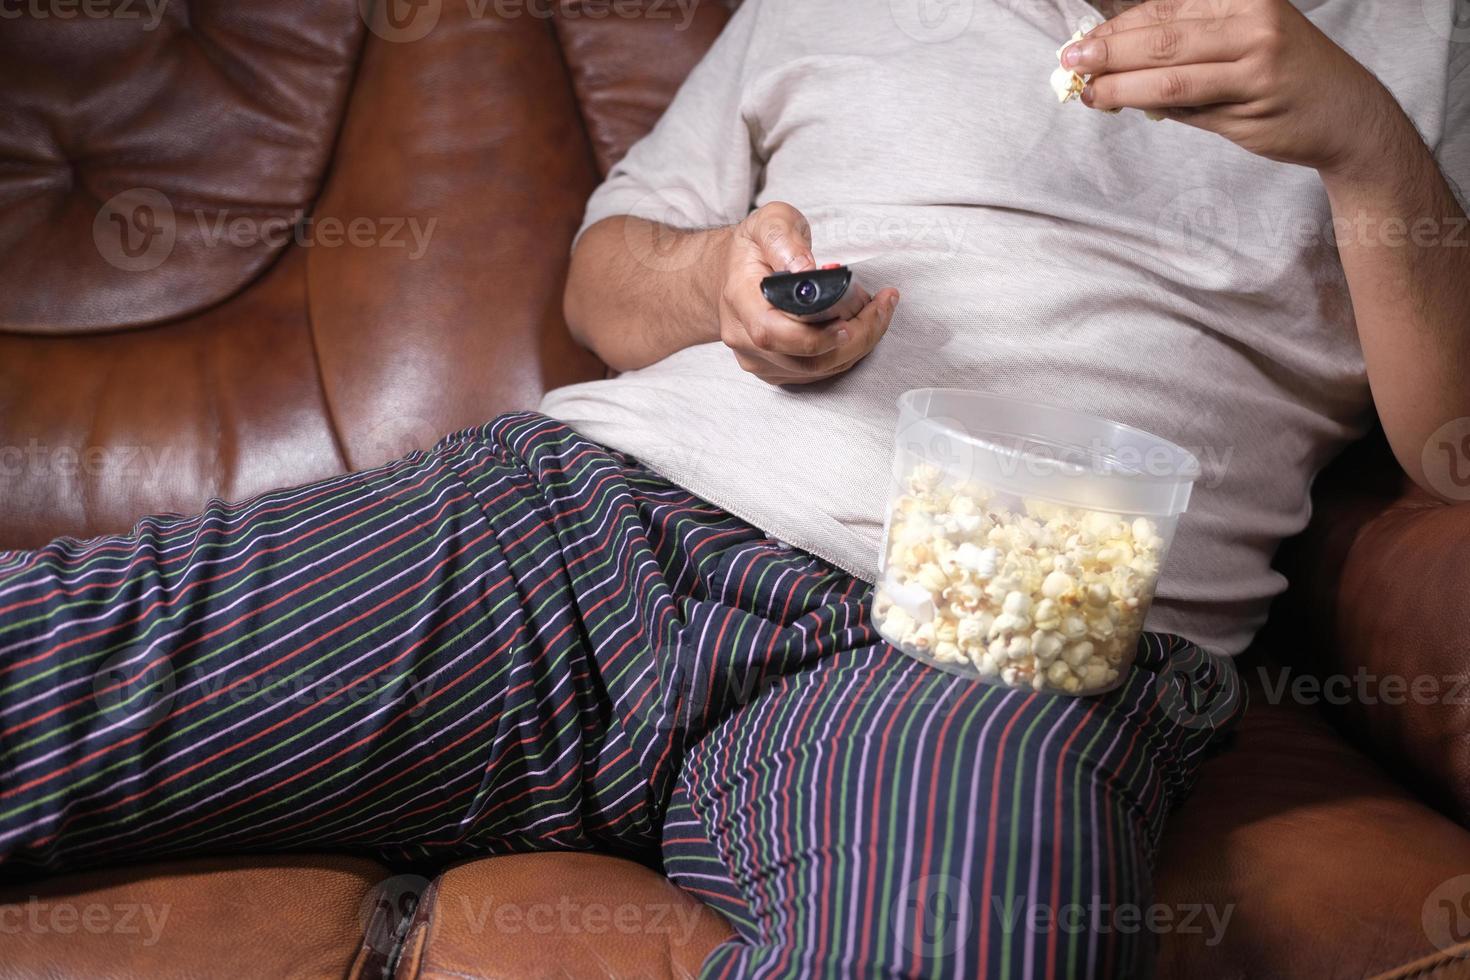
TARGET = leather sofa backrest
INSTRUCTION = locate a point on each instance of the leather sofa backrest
(130, 144)
(438, 153)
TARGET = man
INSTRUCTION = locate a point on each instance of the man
(646, 624)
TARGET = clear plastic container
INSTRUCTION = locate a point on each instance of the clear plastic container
(1023, 542)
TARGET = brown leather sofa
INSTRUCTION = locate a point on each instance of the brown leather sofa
(210, 284)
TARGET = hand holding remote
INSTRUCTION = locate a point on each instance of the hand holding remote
(832, 292)
(775, 346)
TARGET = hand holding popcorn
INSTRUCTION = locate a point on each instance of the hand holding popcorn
(1257, 72)
(1068, 84)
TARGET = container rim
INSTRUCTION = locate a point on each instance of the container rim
(1186, 472)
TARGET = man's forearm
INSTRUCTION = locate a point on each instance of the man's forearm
(638, 291)
(1405, 248)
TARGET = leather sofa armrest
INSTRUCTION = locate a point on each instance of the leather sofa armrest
(1376, 625)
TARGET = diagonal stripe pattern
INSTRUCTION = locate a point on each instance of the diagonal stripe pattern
(524, 641)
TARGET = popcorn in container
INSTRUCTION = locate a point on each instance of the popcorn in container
(1023, 542)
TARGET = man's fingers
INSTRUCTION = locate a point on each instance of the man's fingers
(1163, 88)
(884, 318)
(1177, 43)
(871, 322)
(1155, 12)
(1210, 118)
(773, 332)
(784, 237)
(855, 338)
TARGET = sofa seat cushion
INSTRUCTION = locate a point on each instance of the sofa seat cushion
(298, 916)
(558, 915)
(1325, 865)
(1377, 618)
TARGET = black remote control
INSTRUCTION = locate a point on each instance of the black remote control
(816, 295)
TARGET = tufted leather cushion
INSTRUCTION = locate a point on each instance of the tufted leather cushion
(618, 105)
(338, 355)
(125, 141)
(488, 159)
(97, 431)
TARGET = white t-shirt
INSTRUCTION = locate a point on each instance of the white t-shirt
(1147, 272)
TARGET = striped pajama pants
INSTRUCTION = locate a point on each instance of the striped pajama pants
(524, 641)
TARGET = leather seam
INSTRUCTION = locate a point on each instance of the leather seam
(333, 429)
(329, 169)
(571, 77)
(416, 950)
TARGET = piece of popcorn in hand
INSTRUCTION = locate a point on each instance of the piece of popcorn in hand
(1067, 85)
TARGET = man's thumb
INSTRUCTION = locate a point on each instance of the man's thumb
(785, 238)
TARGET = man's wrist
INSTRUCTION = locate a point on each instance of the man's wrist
(1388, 147)
(712, 268)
